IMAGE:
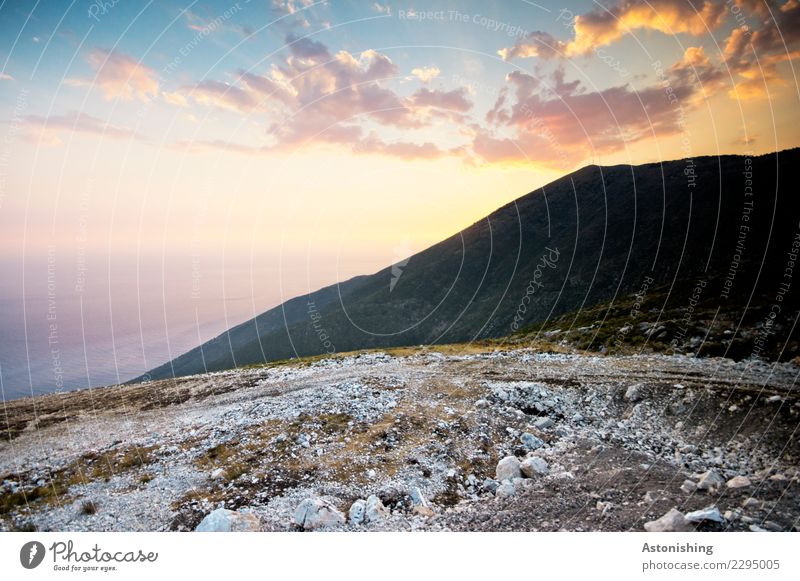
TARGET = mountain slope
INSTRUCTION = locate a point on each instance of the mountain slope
(591, 236)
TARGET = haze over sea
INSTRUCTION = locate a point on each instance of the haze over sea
(75, 321)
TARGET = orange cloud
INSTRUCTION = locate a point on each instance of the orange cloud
(120, 76)
(603, 26)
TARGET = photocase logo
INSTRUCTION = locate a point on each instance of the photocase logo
(401, 257)
(31, 554)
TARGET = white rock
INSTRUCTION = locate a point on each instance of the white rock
(506, 490)
(533, 467)
(226, 521)
(673, 521)
(314, 514)
(688, 486)
(738, 482)
(357, 511)
(375, 511)
(508, 468)
(634, 393)
(419, 500)
(544, 423)
(530, 441)
(750, 503)
(708, 513)
(710, 480)
(217, 473)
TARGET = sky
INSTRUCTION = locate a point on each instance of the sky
(315, 141)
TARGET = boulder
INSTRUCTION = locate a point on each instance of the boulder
(708, 513)
(508, 468)
(227, 521)
(530, 441)
(710, 480)
(672, 522)
(533, 467)
(375, 510)
(633, 393)
(315, 513)
(738, 482)
(489, 485)
(357, 511)
(506, 490)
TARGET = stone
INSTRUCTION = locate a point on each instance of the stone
(506, 490)
(218, 473)
(757, 529)
(688, 486)
(533, 467)
(710, 513)
(418, 499)
(227, 521)
(750, 503)
(375, 510)
(738, 482)
(634, 393)
(544, 423)
(530, 441)
(490, 485)
(315, 513)
(508, 468)
(420, 510)
(710, 480)
(671, 522)
(357, 511)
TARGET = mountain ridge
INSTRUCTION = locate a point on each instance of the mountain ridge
(614, 224)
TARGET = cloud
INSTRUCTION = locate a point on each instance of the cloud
(223, 95)
(6, 77)
(313, 96)
(119, 76)
(560, 124)
(603, 26)
(47, 130)
(753, 53)
(455, 100)
(425, 74)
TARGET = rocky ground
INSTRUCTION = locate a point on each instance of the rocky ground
(457, 439)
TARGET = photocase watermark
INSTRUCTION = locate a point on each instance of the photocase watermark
(31, 554)
(511, 30)
(680, 119)
(775, 309)
(738, 14)
(688, 316)
(633, 314)
(548, 260)
(567, 18)
(52, 319)
(98, 8)
(82, 237)
(198, 230)
(67, 559)
(200, 36)
(743, 231)
(319, 329)
(402, 256)
(14, 125)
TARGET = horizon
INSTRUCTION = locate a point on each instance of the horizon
(211, 160)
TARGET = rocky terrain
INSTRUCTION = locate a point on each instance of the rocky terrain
(458, 438)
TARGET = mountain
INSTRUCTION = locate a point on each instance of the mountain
(595, 236)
